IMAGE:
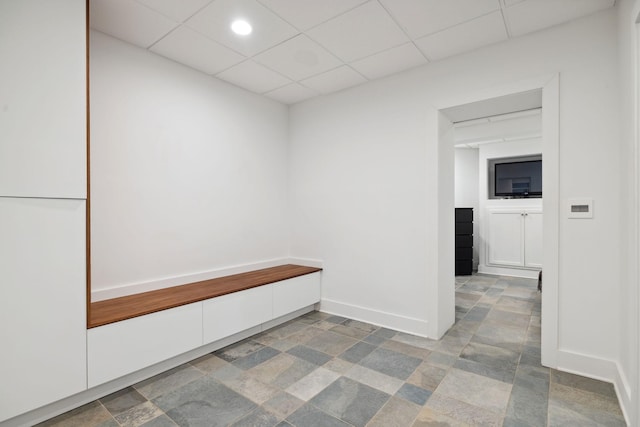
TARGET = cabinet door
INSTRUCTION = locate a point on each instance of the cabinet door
(229, 314)
(43, 98)
(533, 239)
(130, 345)
(505, 238)
(293, 294)
(42, 302)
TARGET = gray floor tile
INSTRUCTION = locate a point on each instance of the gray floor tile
(257, 418)
(167, 381)
(161, 421)
(204, 402)
(122, 400)
(310, 355)
(91, 414)
(391, 363)
(309, 415)
(357, 352)
(350, 401)
(255, 358)
(240, 350)
(415, 394)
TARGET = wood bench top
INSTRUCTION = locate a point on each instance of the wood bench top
(127, 307)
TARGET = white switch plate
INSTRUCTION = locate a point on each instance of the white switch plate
(580, 208)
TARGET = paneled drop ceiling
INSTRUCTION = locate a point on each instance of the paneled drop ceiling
(303, 48)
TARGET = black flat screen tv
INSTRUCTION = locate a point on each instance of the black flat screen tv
(518, 179)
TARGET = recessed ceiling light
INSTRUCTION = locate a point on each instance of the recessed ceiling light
(241, 27)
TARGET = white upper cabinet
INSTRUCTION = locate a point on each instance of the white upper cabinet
(43, 98)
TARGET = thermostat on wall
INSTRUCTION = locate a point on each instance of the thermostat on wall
(580, 208)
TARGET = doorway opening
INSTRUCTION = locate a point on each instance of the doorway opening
(542, 94)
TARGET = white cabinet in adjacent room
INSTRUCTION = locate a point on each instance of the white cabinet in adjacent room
(514, 238)
(42, 302)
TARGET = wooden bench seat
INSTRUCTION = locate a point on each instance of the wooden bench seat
(127, 307)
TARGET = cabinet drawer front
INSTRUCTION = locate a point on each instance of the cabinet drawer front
(124, 347)
(464, 253)
(464, 228)
(464, 241)
(464, 215)
(229, 314)
(293, 294)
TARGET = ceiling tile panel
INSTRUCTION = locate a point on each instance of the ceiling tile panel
(473, 34)
(215, 20)
(334, 80)
(202, 54)
(305, 14)
(361, 32)
(533, 15)
(390, 61)
(298, 58)
(422, 17)
(291, 93)
(254, 77)
(178, 10)
(129, 21)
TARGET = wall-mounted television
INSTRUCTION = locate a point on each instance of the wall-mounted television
(518, 179)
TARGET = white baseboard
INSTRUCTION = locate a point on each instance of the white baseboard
(587, 366)
(60, 407)
(503, 271)
(623, 390)
(380, 318)
(152, 285)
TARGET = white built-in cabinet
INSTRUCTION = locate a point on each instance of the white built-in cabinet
(42, 203)
(124, 347)
(514, 238)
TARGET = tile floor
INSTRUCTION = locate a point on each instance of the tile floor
(322, 370)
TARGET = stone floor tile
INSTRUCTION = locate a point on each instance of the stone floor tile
(409, 350)
(528, 406)
(209, 363)
(331, 343)
(312, 384)
(517, 305)
(490, 355)
(282, 404)
(336, 319)
(415, 341)
(161, 421)
(256, 358)
(299, 369)
(310, 355)
(475, 390)
(462, 412)
(251, 388)
(367, 327)
(308, 415)
(415, 394)
(349, 331)
(357, 352)
(391, 363)
(338, 365)
(138, 415)
(268, 371)
(350, 401)
(122, 400)
(583, 383)
(427, 417)
(505, 374)
(237, 351)
(427, 376)
(593, 406)
(204, 399)
(91, 414)
(167, 381)
(395, 413)
(374, 379)
(258, 418)
(286, 330)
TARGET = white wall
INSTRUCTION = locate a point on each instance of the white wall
(498, 150)
(361, 200)
(627, 382)
(467, 188)
(188, 174)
